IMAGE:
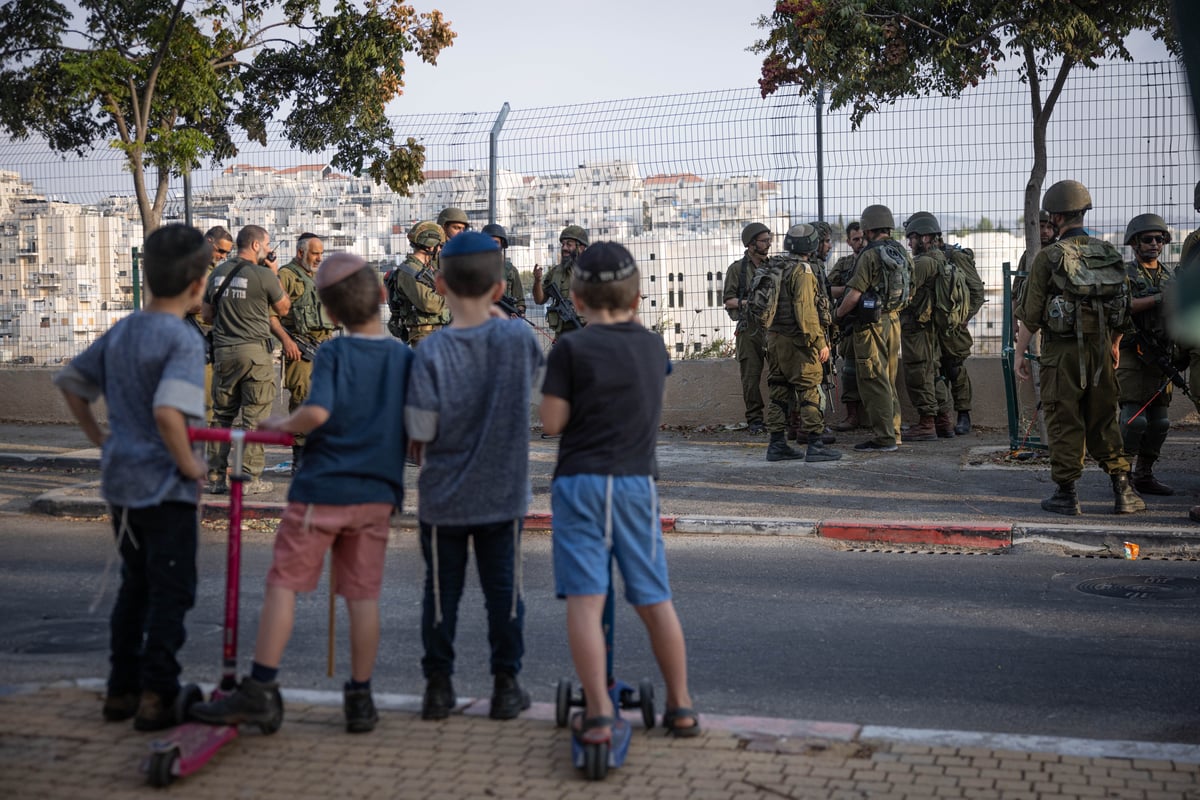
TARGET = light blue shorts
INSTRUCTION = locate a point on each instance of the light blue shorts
(594, 515)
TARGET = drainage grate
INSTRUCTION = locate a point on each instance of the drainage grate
(1143, 587)
(899, 552)
(1117, 557)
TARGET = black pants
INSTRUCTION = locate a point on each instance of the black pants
(158, 587)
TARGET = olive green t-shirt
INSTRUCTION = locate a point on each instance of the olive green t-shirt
(243, 314)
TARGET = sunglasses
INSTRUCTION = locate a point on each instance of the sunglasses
(1152, 239)
(220, 252)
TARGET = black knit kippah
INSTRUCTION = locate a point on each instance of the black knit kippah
(605, 262)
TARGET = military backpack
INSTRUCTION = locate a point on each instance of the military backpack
(1087, 278)
(951, 297)
(897, 275)
(763, 297)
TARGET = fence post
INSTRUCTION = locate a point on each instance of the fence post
(187, 197)
(492, 139)
(137, 282)
(820, 153)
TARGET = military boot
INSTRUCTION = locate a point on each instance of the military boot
(851, 422)
(1143, 479)
(818, 451)
(1063, 501)
(1126, 499)
(963, 426)
(944, 425)
(779, 450)
(923, 431)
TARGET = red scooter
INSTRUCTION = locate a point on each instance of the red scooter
(188, 747)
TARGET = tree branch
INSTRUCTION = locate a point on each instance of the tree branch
(1060, 81)
(152, 78)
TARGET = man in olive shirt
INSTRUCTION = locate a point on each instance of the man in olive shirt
(237, 303)
(572, 242)
(749, 338)
(222, 245)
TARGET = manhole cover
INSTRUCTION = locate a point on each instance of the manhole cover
(1142, 587)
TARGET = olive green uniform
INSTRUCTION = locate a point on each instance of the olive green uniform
(876, 352)
(243, 369)
(919, 340)
(559, 276)
(956, 343)
(425, 310)
(841, 272)
(1190, 243)
(205, 329)
(513, 287)
(749, 339)
(1077, 415)
(794, 342)
(1141, 383)
(307, 318)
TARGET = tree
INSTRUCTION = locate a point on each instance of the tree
(868, 53)
(170, 85)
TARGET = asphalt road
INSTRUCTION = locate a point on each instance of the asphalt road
(778, 627)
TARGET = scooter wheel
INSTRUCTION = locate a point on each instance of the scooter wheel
(595, 761)
(562, 703)
(189, 695)
(162, 768)
(646, 702)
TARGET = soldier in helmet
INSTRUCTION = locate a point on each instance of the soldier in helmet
(1080, 352)
(796, 348)
(919, 348)
(572, 242)
(453, 221)
(1145, 391)
(1047, 233)
(1189, 267)
(417, 309)
(749, 338)
(841, 272)
(874, 294)
(513, 289)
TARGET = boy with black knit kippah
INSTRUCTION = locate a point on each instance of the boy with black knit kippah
(603, 393)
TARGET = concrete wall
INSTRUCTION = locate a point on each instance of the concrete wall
(702, 392)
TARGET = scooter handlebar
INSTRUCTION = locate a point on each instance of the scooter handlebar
(250, 437)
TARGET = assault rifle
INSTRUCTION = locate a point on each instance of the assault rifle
(509, 306)
(1151, 352)
(307, 346)
(564, 307)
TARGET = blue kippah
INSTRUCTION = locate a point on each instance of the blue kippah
(468, 243)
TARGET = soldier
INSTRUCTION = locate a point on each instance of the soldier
(1190, 263)
(1047, 233)
(749, 339)
(513, 290)
(796, 349)
(825, 307)
(307, 324)
(572, 242)
(222, 245)
(238, 300)
(918, 340)
(417, 309)
(1080, 352)
(453, 221)
(841, 272)
(874, 294)
(956, 343)
(1145, 389)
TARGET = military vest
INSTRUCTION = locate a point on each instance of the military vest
(1148, 283)
(307, 313)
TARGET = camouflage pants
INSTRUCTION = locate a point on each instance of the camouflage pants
(243, 380)
(876, 353)
(918, 354)
(751, 357)
(793, 376)
(1079, 417)
(957, 344)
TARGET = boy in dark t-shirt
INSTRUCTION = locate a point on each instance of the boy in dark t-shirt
(603, 393)
(341, 498)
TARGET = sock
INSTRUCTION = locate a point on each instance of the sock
(358, 686)
(263, 674)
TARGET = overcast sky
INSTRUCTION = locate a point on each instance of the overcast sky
(534, 53)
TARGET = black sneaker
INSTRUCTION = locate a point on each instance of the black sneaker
(359, 708)
(508, 698)
(120, 707)
(155, 712)
(439, 698)
(253, 703)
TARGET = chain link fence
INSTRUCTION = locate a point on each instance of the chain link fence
(675, 178)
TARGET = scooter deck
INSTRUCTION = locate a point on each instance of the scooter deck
(618, 748)
(195, 742)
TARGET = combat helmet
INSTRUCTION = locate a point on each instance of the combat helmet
(574, 232)
(1066, 197)
(426, 235)
(922, 223)
(1044, 216)
(453, 214)
(1143, 223)
(876, 217)
(498, 231)
(752, 232)
(802, 239)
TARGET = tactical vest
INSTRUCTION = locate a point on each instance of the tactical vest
(1148, 283)
(560, 276)
(824, 299)
(401, 305)
(307, 313)
(920, 304)
(785, 322)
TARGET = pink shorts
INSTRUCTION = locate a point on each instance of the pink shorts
(357, 534)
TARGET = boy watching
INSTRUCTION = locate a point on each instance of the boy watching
(468, 420)
(150, 369)
(603, 393)
(341, 497)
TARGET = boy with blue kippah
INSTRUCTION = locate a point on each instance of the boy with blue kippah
(603, 393)
(467, 415)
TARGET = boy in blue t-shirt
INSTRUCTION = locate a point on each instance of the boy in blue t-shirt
(468, 419)
(341, 498)
(150, 369)
(603, 393)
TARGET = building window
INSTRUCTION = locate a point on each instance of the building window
(679, 347)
